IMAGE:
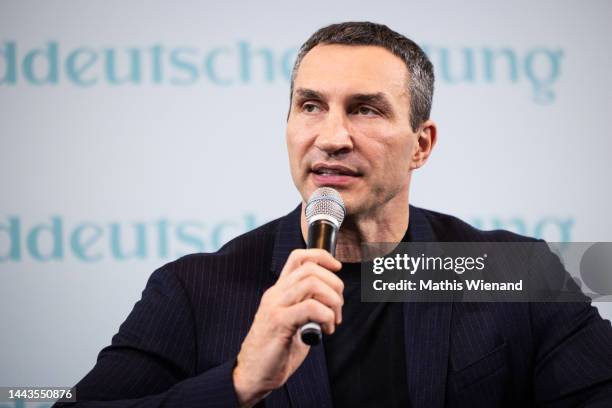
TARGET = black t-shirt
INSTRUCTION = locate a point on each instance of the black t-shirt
(366, 359)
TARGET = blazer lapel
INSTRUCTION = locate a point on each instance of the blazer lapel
(309, 385)
(426, 335)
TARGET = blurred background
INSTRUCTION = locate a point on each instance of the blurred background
(133, 133)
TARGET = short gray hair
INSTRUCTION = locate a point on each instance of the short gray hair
(420, 69)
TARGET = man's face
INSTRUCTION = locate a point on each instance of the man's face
(349, 126)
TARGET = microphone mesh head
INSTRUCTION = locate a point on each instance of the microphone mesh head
(325, 202)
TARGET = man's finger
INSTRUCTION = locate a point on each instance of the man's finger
(310, 310)
(312, 269)
(313, 287)
(315, 255)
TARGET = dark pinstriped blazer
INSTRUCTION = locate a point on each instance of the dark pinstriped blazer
(178, 346)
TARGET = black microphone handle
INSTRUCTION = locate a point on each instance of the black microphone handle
(321, 234)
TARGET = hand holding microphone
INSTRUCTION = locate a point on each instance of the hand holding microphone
(324, 213)
(307, 291)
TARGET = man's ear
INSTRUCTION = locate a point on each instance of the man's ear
(427, 137)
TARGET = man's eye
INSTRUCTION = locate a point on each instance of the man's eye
(365, 110)
(310, 107)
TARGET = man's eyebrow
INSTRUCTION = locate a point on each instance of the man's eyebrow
(303, 93)
(378, 99)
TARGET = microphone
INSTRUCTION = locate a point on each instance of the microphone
(324, 212)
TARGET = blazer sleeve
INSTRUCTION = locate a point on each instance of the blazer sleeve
(573, 353)
(152, 359)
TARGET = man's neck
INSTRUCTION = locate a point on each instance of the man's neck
(386, 225)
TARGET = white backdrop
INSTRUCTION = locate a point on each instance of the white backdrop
(135, 132)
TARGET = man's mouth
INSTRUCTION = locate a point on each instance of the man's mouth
(333, 175)
(333, 170)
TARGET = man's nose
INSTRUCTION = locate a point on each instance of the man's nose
(334, 136)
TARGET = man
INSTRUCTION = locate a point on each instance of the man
(221, 329)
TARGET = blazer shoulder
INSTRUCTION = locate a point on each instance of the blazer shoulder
(257, 243)
(450, 228)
